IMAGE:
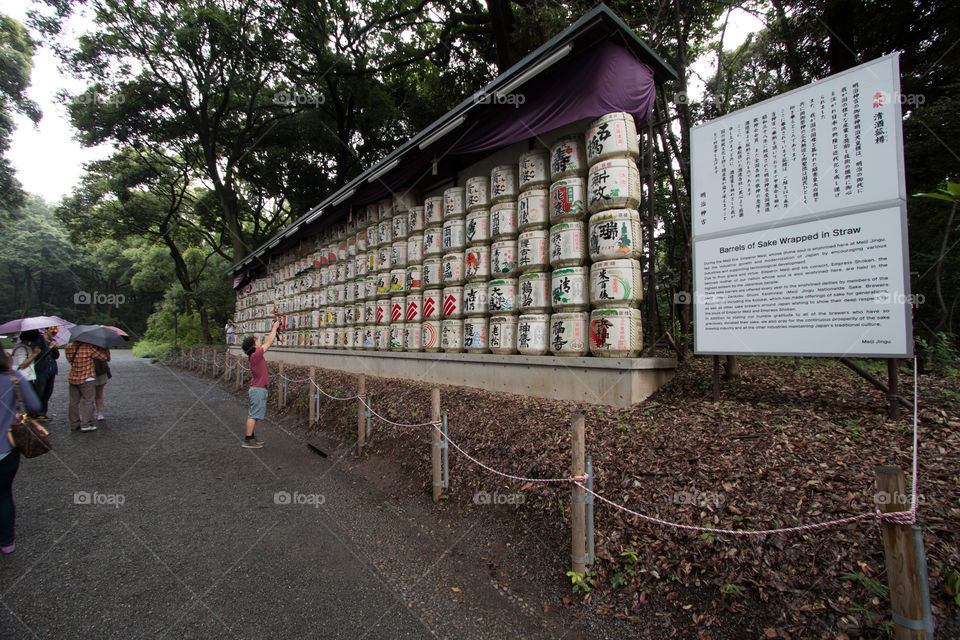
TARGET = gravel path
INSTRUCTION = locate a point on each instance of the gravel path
(159, 525)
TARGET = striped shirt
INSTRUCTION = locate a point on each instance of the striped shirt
(81, 355)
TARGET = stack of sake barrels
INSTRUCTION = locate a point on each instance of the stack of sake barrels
(476, 266)
(530, 334)
(430, 270)
(452, 277)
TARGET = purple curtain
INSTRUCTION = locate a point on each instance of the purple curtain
(601, 80)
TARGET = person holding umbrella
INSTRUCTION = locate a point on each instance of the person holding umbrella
(43, 358)
(82, 378)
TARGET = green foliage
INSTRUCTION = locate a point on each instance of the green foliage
(16, 63)
(582, 582)
(940, 354)
(160, 352)
(952, 583)
(874, 587)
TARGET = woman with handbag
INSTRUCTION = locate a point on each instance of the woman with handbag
(101, 368)
(43, 363)
(13, 388)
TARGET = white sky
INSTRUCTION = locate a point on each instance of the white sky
(49, 160)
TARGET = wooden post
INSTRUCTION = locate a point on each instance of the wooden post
(227, 366)
(578, 510)
(361, 423)
(312, 408)
(899, 553)
(436, 440)
(716, 378)
(894, 384)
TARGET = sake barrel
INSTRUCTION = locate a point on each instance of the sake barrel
(369, 337)
(399, 227)
(613, 184)
(475, 335)
(414, 278)
(357, 337)
(433, 211)
(329, 337)
(478, 193)
(503, 259)
(615, 283)
(360, 263)
(532, 210)
(534, 169)
(502, 334)
(432, 304)
(351, 246)
(339, 316)
(371, 261)
(357, 317)
(360, 241)
(383, 284)
(451, 336)
(503, 221)
(432, 268)
(373, 236)
(340, 273)
(370, 312)
(342, 249)
(405, 200)
(567, 158)
(385, 231)
(383, 257)
(383, 311)
(350, 270)
(412, 334)
(475, 299)
(504, 185)
(615, 333)
(454, 235)
(568, 247)
(453, 302)
(613, 135)
(360, 289)
(348, 293)
(568, 199)
(533, 295)
(502, 296)
(373, 213)
(371, 283)
(432, 242)
(346, 338)
(398, 255)
(398, 308)
(532, 334)
(415, 249)
(385, 209)
(398, 281)
(396, 336)
(453, 269)
(383, 337)
(476, 263)
(615, 234)
(477, 230)
(430, 335)
(413, 307)
(415, 220)
(532, 251)
(454, 203)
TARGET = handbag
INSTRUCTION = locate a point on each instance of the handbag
(26, 434)
(100, 367)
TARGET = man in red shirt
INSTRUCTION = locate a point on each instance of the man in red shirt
(259, 382)
(81, 355)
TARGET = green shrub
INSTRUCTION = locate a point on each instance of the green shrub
(156, 351)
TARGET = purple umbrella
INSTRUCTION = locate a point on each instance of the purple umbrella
(36, 322)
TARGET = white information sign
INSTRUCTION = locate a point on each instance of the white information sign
(799, 222)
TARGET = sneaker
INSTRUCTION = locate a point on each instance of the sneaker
(89, 427)
(256, 439)
(99, 416)
(8, 549)
(251, 444)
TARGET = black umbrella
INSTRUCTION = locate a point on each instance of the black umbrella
(97, 335)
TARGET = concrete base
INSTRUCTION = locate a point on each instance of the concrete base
(605, 381)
